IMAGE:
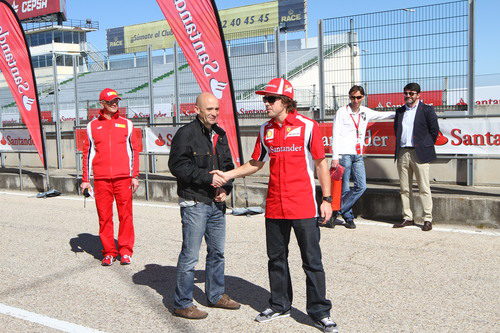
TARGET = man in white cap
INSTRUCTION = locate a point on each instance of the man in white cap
(293, 145)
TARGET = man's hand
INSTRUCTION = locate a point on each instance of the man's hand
(326, 211)
(335, 164)
(219, 178)
(220, 195)
(135, 184)
(85, 185)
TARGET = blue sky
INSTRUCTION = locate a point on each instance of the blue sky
(117, 13)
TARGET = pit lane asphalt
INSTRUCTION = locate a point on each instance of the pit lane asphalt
(378, 278)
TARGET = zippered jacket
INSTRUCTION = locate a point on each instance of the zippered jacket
(112, 151)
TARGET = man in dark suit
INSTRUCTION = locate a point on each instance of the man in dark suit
(416, 127)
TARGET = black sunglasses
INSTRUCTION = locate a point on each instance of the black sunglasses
(410, 93)
(356, 97)
(270, 99)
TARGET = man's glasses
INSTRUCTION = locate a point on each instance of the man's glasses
(410, 93)
(270, 99)
(356, 97)
(113, 102)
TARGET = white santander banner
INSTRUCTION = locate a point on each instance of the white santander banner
(469, 136)
(159, 139)
(16, 140)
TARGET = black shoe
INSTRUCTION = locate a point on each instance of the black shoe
(350, 224)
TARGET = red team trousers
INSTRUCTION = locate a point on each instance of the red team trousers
(119, 190)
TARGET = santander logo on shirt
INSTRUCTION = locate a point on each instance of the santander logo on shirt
(285, 149)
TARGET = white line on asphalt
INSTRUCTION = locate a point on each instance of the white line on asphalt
(366, 222)
(57, 324)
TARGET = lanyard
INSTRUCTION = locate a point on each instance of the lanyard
(356, 124)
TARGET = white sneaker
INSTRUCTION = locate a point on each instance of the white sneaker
(327, 325)
(270, 314)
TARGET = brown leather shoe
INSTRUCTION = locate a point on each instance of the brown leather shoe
(191, 312)
(403, 224)
(226, 302)
(427, 226)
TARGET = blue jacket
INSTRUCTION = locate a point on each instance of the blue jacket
(425, 132)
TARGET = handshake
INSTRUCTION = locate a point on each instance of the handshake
(220, 178)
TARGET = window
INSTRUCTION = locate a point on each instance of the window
(57, 36)
(67, 37)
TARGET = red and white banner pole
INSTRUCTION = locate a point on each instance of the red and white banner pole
(197, 28)
(15, 64)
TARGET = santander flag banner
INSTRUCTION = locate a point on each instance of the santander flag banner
(196, 27)
(15, 65)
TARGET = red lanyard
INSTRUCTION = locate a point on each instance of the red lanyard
(356, 124)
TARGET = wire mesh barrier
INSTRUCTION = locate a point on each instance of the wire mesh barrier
(383, 51)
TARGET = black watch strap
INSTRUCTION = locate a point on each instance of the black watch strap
(328, 199)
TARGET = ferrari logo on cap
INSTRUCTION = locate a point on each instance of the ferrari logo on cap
(112, 93)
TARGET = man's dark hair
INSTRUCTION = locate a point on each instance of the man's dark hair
(289, 103)
(412, 87)
(357, 88)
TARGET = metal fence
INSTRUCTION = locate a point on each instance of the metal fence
(385, 50)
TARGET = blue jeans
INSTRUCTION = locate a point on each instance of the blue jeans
(354, 168)
(198, 221)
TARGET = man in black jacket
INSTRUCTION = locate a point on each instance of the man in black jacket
(416, 127)
(198, 148)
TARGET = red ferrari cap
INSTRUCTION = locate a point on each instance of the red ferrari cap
(277, 86)
(108, 95)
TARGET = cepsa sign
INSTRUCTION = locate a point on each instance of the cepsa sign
(27, 9)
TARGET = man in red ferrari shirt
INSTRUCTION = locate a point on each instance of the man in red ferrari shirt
(111, 155)
(293, 145)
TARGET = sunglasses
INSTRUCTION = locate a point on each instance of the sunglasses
(270, 99)
(356, 97)
(410, 93)
(112, 102)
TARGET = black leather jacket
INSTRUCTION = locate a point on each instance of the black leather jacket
(192, 158)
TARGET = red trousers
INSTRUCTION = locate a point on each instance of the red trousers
(106, 191)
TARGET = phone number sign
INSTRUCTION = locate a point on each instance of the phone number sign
(247, 19)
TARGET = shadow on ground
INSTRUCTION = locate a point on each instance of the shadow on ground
(87, 243)
(162, 280)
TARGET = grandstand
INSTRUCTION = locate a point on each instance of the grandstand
(250, 70)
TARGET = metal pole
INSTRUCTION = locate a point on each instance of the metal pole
(445, 91)
(56, 107)
(470, 86)
(286, 55)
(176, 87)
(147, 178)
(151, 102)
(351, 47)
(277, 50)
(20, 172)
(334, 97)
(321, 70)
(77, 113)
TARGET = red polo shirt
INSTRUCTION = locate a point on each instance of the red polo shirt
(292, 148)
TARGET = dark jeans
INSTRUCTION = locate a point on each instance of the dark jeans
(277, 239)
(198, 221)
(354, 168)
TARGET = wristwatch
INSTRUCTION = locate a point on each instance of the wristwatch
(328, 199)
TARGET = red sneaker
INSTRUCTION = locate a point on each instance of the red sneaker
(125, 259)
(108, 260)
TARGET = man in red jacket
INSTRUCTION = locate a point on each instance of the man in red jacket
(111, 155)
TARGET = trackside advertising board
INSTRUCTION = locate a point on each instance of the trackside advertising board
(16, 140)
(456, 136)
(27, 9)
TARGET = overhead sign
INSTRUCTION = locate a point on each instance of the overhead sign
(240, 22)
(292, 15)
(28, 9)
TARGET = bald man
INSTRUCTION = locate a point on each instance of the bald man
(198, 148)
